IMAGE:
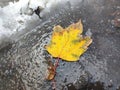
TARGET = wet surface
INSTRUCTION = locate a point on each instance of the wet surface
(22, 63)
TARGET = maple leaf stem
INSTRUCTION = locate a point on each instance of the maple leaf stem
(56, 63)
(53, 84)
(55, 67)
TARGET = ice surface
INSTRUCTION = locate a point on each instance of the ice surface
(14, 17)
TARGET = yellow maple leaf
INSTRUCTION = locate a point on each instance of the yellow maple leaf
(68, 43)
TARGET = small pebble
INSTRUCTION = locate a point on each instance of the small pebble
(117, 88)
(110, 84)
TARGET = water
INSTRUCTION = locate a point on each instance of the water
(101, 59)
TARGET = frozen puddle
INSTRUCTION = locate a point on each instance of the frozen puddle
(18, 18)
(23, 64)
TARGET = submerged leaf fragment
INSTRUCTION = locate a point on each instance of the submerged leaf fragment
(68, 43)
(51, 72)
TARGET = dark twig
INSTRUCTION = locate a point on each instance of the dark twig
(38, 11)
